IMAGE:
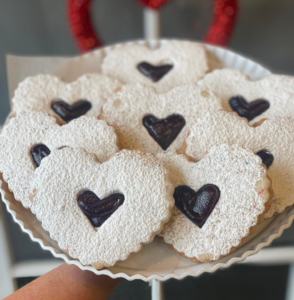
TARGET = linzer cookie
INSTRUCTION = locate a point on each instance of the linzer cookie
(253, 100)
(272, 141)
(66, 101)
(100, 213)
(102, 161)
(151, 122)
(218, 199)
(170, 64)
(30, 137)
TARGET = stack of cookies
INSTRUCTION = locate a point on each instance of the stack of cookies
(158, 143)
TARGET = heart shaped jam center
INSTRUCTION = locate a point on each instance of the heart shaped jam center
(155, 73)
(68, 112)
(99, 210)
(248, 110)
(197, 206)
(164, 131)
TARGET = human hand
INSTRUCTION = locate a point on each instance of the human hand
(67, 282)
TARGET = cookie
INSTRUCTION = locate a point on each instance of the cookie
(100, 213)
(66, 101)
(171, 64)
(29, 137)
(218, 199)
(272, 140)
(151, 122)
(265, 98)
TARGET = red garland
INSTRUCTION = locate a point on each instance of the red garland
(219, 33)
(81, 24)
(224, 21)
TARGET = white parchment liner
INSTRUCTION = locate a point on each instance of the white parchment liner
(156, 260)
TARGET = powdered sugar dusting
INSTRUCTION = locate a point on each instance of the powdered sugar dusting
(126, 109)
(36, 93)
(240, 177)
(140, 178)
(275, 135)
(277, 89)
(30, 128)
(189, 62)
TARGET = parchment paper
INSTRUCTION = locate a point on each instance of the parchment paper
(67, 68)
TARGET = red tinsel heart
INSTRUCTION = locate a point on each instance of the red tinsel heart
(219, 33)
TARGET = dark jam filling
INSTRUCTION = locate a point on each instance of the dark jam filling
(155, 73)
(266, 157)
(164, 131)
(99, 210)
(197, 206)
(38, 152)
(68, 112)
(248, 110)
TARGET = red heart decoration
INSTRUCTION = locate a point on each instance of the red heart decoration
(219, 33)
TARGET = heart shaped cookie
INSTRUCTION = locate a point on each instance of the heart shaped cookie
(66, 101)
(265, 98)
(31, 136)
(100, 213)
(273, 141)
(218, 199)
(173, 63)
(151, 122)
